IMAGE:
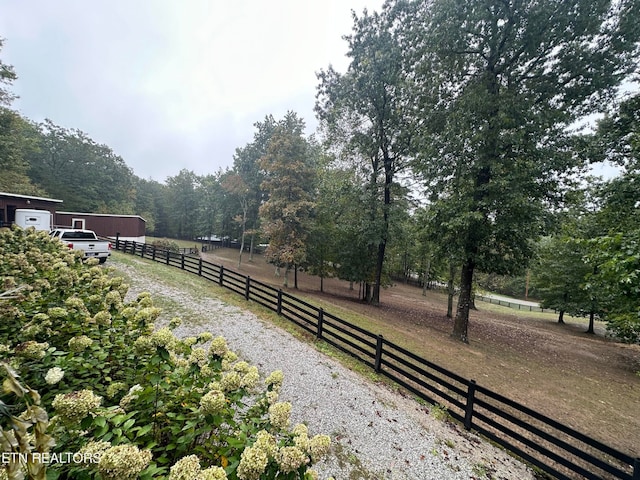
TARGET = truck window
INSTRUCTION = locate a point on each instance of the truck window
(79, 236)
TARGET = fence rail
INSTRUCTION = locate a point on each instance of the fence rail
(554, 448)
(514, 305)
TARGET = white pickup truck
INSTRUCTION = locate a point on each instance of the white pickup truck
(85, 240)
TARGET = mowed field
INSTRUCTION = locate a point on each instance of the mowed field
(588, 382)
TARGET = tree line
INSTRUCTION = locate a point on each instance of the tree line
(448, 150)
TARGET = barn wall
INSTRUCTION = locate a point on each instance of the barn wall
(128, 227)
(9, 203)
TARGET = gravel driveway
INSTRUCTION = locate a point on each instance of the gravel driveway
(376, 433)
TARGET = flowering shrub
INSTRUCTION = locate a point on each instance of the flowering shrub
(135, 399)
(166, 244)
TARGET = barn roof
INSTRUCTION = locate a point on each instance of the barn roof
(29, 197)
(101, 215)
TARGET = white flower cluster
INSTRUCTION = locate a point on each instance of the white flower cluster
(123, 462)
(188, 468)
(80, 343)
(212, 402)
(255, 459)
(54, 375)
(130, 397)
(74, 406)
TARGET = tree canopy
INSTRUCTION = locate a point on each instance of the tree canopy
(472, 104)
(365, 113)
(500, 83)
(289, 182)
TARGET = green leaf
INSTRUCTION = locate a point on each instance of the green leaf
(144, 430)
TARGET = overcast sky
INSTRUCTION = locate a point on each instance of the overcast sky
(172, 84)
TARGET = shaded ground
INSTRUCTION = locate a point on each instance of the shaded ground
(585, 381)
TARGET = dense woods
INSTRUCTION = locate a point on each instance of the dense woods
(448, 151)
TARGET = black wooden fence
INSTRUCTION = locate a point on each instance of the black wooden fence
(552, 447)
(514, 305)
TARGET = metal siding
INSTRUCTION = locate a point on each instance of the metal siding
(106, 225)
(16, 202)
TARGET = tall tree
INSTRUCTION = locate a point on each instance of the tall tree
(238, 190)
(183, 214)
(246, 164)
(7, 77)
(17, 141)
(501, 82)
(290, 179)
(559, 274)
(16, 135)
(149, 204)
(88, 176)
(365, 112)
(342, 201)
(616, 250)
(617, 280)
(209, 200)
(322, 240)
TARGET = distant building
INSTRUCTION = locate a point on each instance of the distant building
(10, 202)
(127, 227)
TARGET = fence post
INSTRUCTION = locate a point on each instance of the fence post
(117, 240)
(220, 280)
(153, 253)
(246, 288)
(124, 248)
(636, 469)
(320, 324)
(378, 361)
(167, 256)
(144, 249)
(279, 306)
(468, 411)
(182, 262)
(200, 267)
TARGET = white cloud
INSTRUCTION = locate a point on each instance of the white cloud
(171, 85)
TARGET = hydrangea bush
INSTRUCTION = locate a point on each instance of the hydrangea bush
(90, 374)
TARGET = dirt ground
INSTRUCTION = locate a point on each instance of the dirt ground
(588, 382)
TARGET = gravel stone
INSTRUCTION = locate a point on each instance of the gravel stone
(376, 433)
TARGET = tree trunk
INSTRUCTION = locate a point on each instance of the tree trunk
(241, 249)
(592, 315)
(286, 277)
(426, 278)
(561, 316)
(461, 322)
(366, 292)
(375, 297)
(251, 249)
(450, 290)
(388, 180)
(295, 277)
(472, 300)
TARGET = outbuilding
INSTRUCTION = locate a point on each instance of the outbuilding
(10, 202)
(125, 227)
